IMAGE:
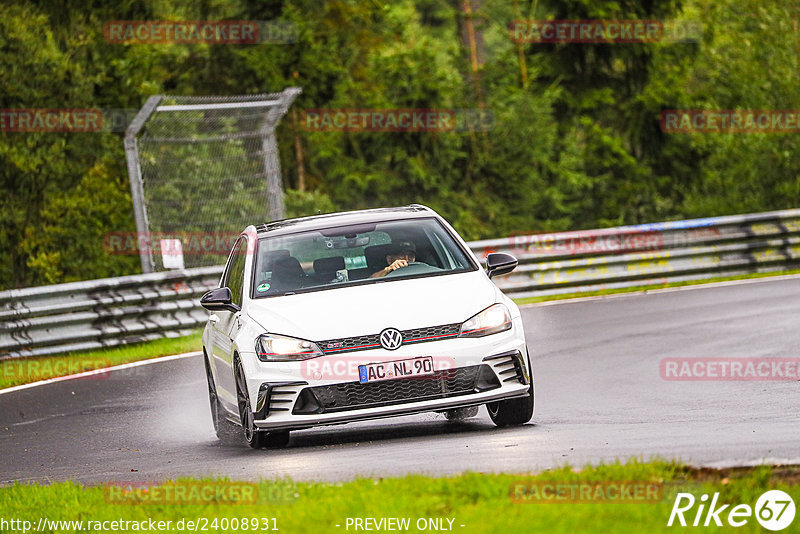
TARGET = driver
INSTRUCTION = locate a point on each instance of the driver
(400, 255)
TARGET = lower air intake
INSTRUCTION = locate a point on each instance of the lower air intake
(355, 395)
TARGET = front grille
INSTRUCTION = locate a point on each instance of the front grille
(372, 341)
(355, 395)
(431, 333)
(347, 344)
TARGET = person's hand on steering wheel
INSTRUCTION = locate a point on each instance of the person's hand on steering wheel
(401, 255)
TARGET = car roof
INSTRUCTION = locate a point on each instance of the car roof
(344, 218)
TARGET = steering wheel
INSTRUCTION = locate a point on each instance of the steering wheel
(414, 267)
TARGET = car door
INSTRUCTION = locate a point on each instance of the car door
(225, 324)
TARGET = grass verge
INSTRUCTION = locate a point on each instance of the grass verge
(614, 291)
(470, 502)
(18, 371)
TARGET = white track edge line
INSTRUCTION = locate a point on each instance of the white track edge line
(137, 363)
(662, 290)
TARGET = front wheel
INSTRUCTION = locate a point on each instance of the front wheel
(254, 437)
(225, 430)
(513, 411)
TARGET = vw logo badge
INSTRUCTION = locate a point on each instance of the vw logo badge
(391, 339)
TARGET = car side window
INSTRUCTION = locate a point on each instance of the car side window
(235, 280)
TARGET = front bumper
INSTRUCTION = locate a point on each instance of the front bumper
(296, 423)
(326, 390)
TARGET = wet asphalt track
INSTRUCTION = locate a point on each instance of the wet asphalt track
(599, 397)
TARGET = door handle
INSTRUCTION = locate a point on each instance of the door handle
(213, 318)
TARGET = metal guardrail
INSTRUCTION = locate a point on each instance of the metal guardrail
(45, 320)
(630, 256)
(93, 314)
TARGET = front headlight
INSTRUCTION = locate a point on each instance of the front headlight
(275, 348)
(492, 320)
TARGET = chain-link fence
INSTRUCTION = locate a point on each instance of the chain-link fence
(201, 169)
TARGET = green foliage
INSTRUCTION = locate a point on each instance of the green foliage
(34, 166)
(574, 143)
(304, 203)
(748, 62)
(71, 242)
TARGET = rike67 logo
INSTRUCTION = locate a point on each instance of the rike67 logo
(774, 510)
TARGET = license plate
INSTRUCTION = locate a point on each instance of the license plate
(374, 372)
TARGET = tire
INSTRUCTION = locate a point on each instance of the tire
(254, 437)
(460, 414)
(225, 430)
(276, 439)
(513, 411)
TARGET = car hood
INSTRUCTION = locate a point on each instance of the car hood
(368, 309)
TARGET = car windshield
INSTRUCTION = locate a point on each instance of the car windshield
(356, 254)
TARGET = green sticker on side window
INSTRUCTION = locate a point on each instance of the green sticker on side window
(262, 287)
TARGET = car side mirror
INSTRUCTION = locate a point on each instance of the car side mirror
(219, 299)
(498, 263)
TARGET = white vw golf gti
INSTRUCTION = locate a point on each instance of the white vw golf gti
(360, 315)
